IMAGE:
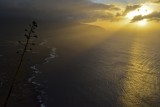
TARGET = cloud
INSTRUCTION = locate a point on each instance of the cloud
(137, 18)
(61, 10)
(98, 6)
(130, 8)
(155, 16)
(94, 16)
(156, 1)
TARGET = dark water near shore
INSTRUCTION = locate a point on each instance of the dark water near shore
(119, 70)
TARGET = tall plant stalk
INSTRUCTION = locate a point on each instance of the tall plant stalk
(29, 34)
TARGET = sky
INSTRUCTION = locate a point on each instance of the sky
(119, 1)
(79, 11)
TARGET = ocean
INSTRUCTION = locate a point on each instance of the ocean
(81, 69)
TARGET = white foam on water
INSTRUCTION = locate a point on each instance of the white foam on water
(52, 55)
(39, 86)
(34, 67)
(43, 43)
(42, 105)
(31, 78)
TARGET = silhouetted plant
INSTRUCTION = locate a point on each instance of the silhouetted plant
(29, 33)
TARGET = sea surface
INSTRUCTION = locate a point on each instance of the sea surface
(121, 71)
(80, 70)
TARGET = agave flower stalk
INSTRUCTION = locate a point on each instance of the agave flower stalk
(29, 33)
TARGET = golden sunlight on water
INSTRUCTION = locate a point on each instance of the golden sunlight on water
(141, 85)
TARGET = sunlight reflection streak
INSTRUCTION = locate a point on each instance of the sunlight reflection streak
(140, 88)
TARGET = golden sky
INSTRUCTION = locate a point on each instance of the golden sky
(140, 13)
(144, 13)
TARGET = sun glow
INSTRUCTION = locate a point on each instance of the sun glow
(143, 11)
(142, 22)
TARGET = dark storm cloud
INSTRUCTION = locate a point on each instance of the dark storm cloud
(56, 9)
(153, 16)
(130, 8)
